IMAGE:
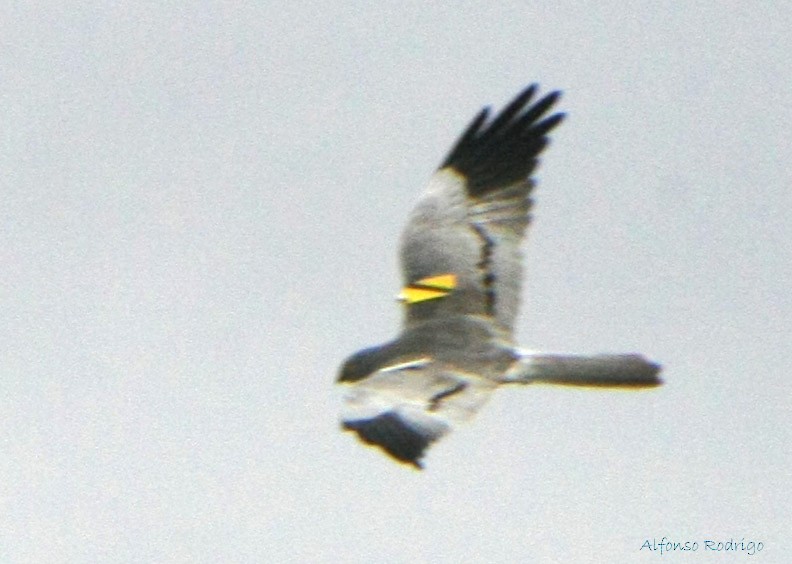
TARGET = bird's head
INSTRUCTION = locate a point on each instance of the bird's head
(380, 359)
(360, 365)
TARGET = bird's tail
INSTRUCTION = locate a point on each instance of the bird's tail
(607, 370)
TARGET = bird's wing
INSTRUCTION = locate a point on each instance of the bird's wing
(461, 248)
(405, 407)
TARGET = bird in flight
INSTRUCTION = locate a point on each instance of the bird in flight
(462, 272)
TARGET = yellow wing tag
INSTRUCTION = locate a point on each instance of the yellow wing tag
(429, 288)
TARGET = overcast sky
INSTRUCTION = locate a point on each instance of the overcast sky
(200, 210)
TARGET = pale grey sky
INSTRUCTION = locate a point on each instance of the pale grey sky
(200, 213)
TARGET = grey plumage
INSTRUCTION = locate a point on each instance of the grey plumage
(461, 261)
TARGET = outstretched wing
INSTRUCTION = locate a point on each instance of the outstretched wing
(405, 407)
(461, 247)
(406, 394)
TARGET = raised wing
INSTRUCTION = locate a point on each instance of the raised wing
(461, 248)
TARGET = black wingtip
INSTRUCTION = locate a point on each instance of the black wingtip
(504, 151)
(394, 435)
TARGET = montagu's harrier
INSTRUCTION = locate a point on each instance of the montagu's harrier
(460, 254)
